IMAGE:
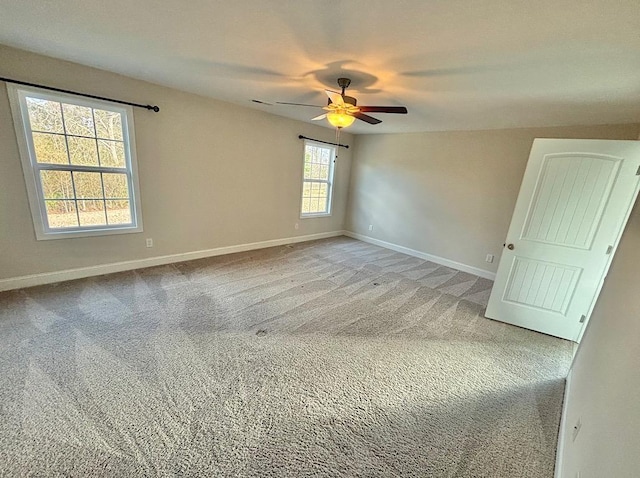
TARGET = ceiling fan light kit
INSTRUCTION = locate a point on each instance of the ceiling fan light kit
(343, 110)
(340, 120)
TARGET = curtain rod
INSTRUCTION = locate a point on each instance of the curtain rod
(325, 142)
(60, 90)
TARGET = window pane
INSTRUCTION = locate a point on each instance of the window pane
(56, 184)
(115, 185)
(78, 120)
(80, 166)
(111, 153)
(108, 124)
(83, 151)
(323, 189)
(306, 205)
(91, 213)
(61, 214)
(88, 185)
(308, 153)
(324, 173)
(118, 212)
(306, 189)
(315, 171)
(50, 148)
(44, 115)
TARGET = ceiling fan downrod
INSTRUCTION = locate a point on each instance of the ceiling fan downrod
(344, 84)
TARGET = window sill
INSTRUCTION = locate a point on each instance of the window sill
(311, 216)
(53, 235)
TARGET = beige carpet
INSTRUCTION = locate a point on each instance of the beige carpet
(332, 358)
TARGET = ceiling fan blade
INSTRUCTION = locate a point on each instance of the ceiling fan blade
(367, 118)
(384, 109)
(319, 117)
(296, 104)
(335, 97)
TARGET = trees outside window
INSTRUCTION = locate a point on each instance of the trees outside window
(79, 164)
(318, 179)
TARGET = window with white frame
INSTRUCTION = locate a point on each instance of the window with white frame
(318, 179)
(79, 163)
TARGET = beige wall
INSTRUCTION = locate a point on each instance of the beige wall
(449, 194)
(604, 389)
(211, 174)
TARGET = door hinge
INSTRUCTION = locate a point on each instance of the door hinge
(638, 171)
(609, 249)
(583, 318)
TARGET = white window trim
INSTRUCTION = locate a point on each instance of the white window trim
(329, 183)
(30, 168)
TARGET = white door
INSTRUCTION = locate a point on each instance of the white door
(574, 201)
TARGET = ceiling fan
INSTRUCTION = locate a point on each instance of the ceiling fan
(343, 110)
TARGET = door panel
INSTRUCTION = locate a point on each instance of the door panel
(574, 201)
(570, 198)
(541, 285)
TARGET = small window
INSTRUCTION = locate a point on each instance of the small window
(79, 164)
(318, 179)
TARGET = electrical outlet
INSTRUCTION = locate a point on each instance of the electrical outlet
(296, 226)
(149, 242)
(371, 227)
(576, 429)
(489, 258)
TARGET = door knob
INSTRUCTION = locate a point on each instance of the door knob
(511, 247)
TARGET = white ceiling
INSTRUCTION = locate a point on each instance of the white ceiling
(456, 64)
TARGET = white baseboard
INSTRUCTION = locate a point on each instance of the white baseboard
(79, 273)
(561, 433)
(423, 255)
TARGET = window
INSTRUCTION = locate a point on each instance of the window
(78, 163)
(318, 179)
